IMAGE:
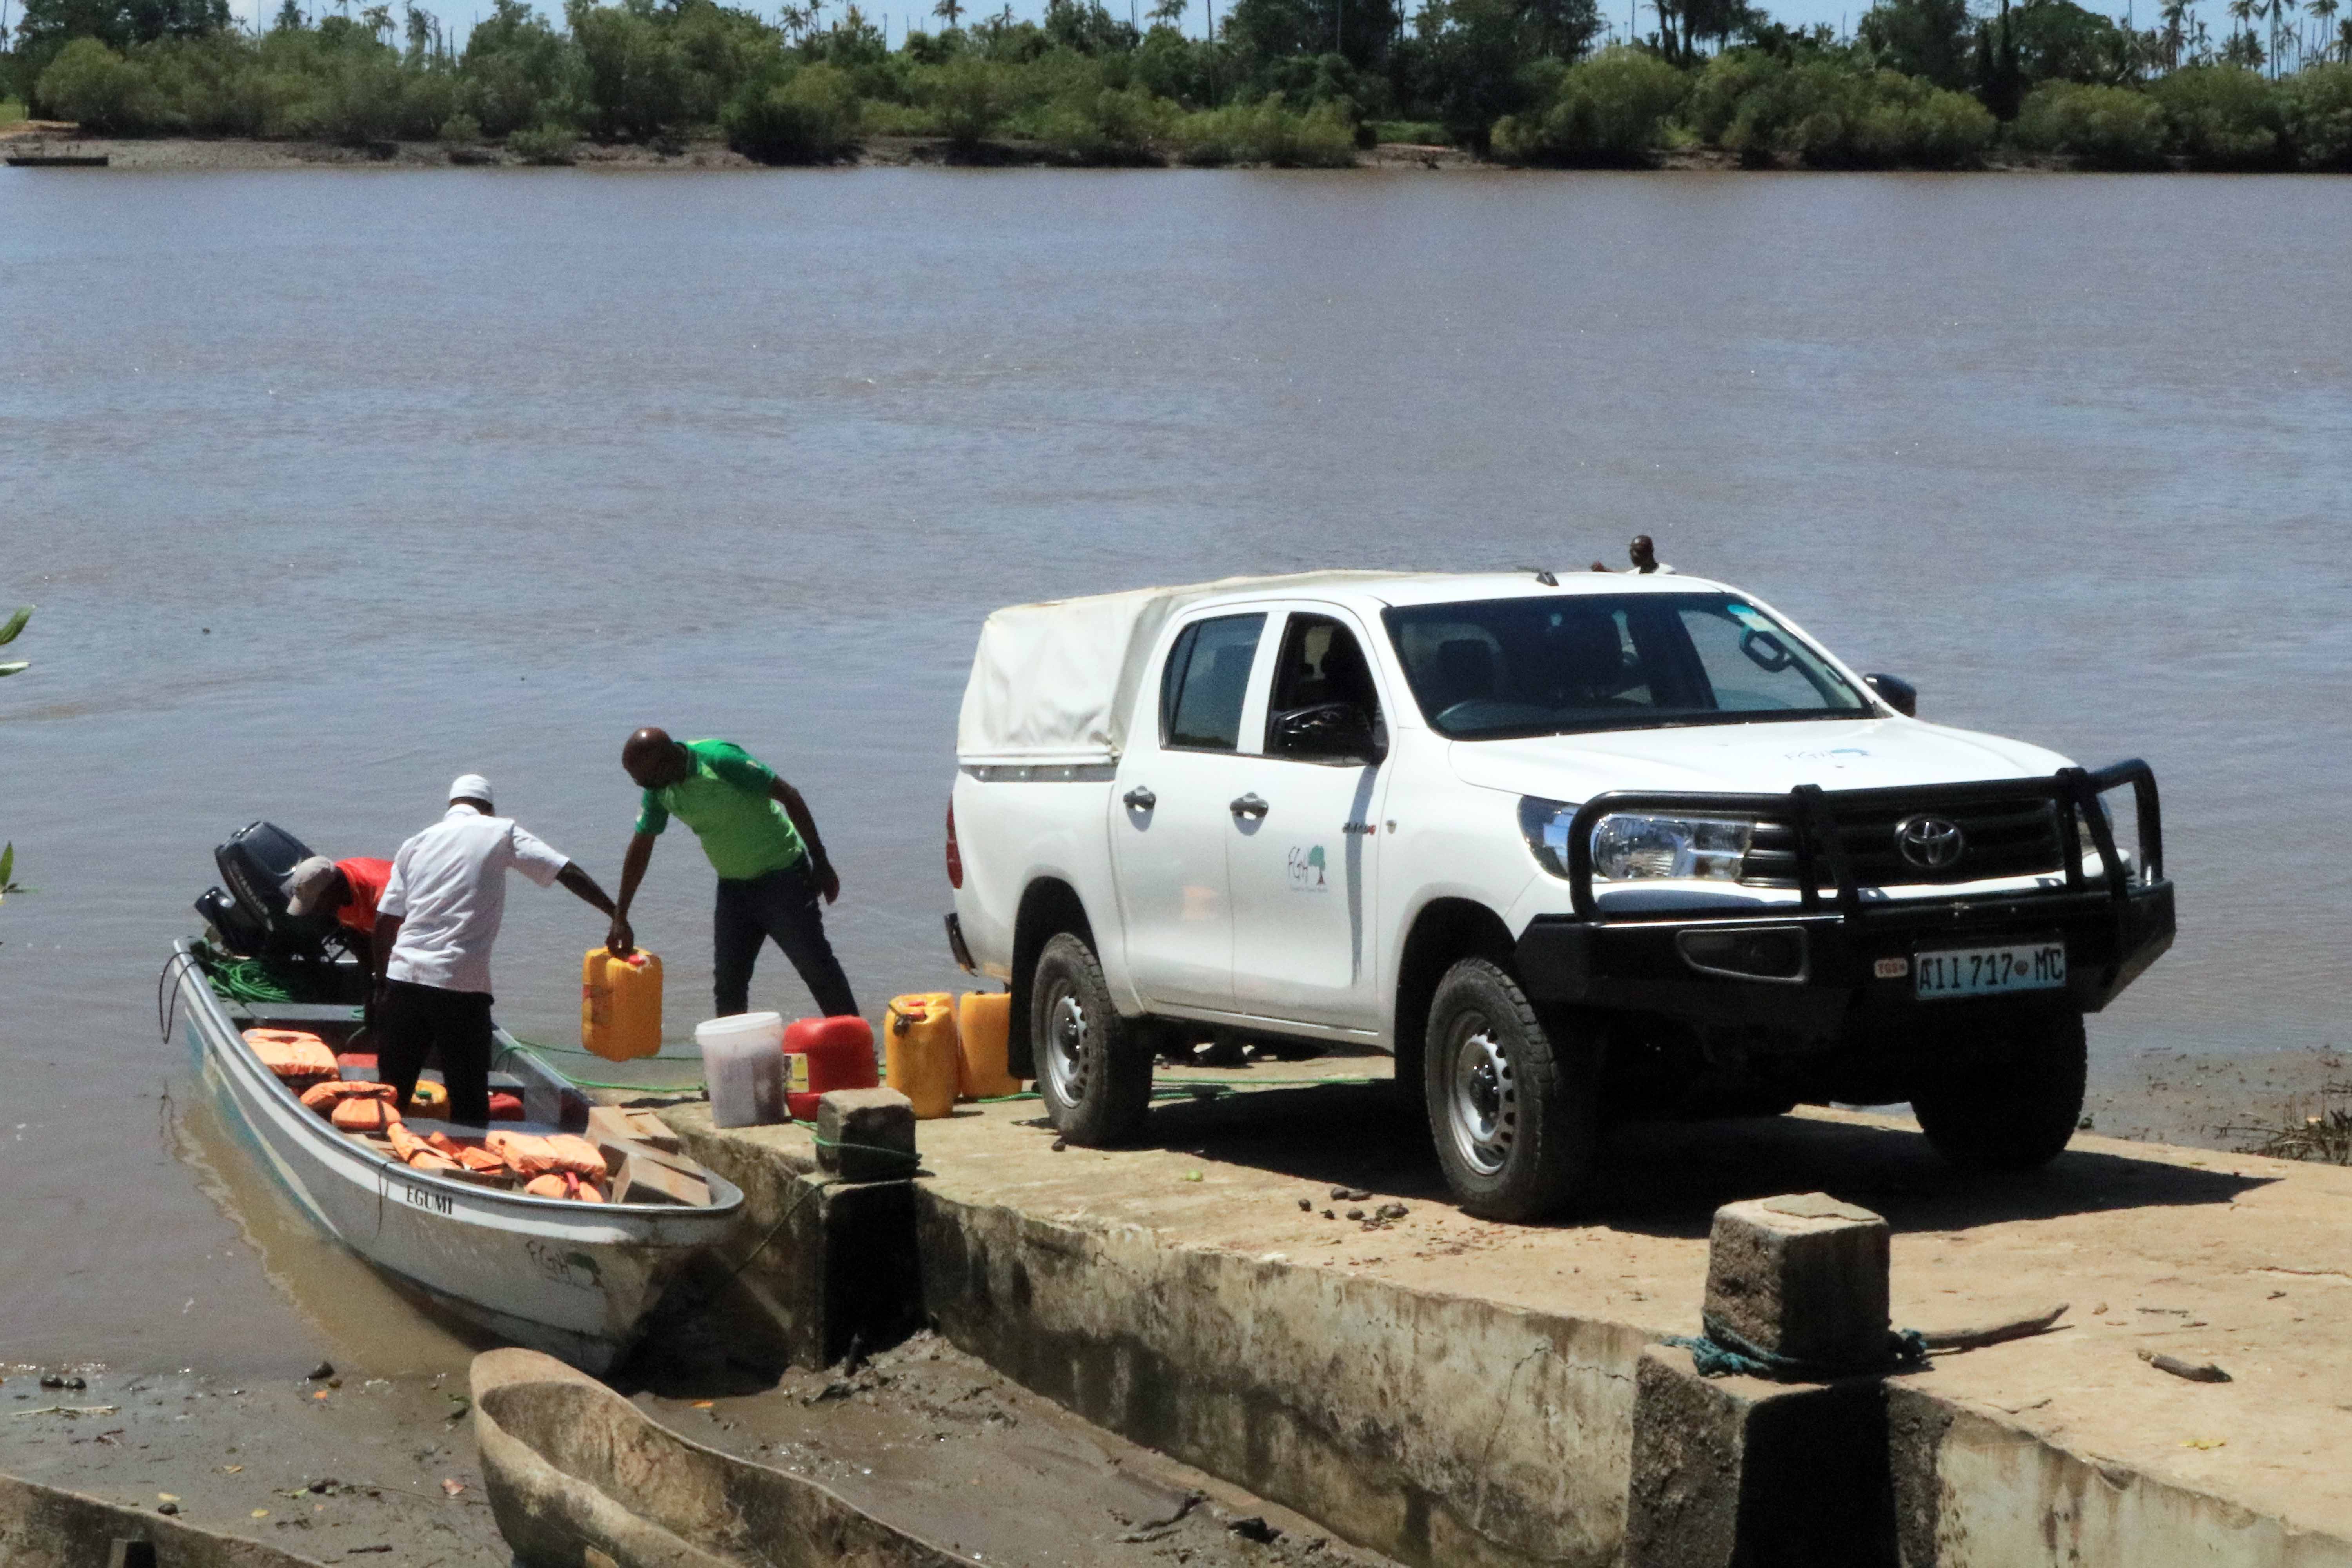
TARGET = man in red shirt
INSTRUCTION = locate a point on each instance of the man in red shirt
(347, 889)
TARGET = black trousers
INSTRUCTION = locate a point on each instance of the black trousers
(419, 1021)
(782, 905)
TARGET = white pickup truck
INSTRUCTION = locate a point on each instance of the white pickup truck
(1603, 844)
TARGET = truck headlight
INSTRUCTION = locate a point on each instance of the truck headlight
(1632, 848)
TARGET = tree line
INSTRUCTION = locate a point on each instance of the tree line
(1919, 83)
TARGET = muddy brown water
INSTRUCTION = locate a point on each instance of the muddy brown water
(332, 485)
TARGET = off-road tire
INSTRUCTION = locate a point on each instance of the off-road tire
(1094, 1068)
(2013, 1109)
(1516, 1117)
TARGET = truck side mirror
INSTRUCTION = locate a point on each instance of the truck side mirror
(1326, 733)
(1896, 692)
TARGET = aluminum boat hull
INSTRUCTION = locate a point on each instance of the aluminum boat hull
(575, 1280)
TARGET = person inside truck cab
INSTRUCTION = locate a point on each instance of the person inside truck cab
(1323, 690)
(347, 889)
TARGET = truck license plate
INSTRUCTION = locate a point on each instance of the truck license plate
(1988, 971)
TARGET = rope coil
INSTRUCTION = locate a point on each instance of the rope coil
(1721, 1351)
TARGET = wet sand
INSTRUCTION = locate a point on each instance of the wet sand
(930, 1440)
(923, 1436)
(358, 1475)
(2205, 1100)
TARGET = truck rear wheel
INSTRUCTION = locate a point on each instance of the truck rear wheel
(1094, 1069)
(2015, 1109)
(1516, 1123)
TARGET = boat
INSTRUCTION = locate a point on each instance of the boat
(57, 160)
(577, 1474)
(574, 1279)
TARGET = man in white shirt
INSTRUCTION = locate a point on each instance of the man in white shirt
(434, 929)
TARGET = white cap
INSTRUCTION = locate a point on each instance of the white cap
(308, 883)
(470, 786)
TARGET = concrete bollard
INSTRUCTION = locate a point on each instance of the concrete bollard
(1739, 1472)
(866, 1134)
(1802, 1277)
(1735, 1472)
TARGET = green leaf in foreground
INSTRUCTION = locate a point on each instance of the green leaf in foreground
(15, 625)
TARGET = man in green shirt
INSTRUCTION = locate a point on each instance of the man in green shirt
(764, 843)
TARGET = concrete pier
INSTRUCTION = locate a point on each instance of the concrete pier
(1448, 1390)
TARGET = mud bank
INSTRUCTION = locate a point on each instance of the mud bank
(169, 153)
(364, 1474)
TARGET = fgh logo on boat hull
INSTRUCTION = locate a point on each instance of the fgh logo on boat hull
(1930, 843)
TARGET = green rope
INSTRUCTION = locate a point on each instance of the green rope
(1722, 1351)
(901, 1156)
(242, 979)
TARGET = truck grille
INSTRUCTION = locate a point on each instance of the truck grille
(2016, 838)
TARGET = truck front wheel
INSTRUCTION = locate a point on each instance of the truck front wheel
(1515, 1121)
(1094, 1069)
(2015, 1109)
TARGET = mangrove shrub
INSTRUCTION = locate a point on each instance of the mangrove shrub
(2103, 127)
(1610, 111)
(2221, 117)
(91, 84)
(2316, 104)
(806, 114)
(1266, 132)
(1832, 115)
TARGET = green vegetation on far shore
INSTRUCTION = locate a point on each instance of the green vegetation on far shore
(1920, 84)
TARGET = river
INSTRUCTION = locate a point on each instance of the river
(332, 485)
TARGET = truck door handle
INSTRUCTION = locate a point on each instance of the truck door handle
(1248, 806)
(1139, 799)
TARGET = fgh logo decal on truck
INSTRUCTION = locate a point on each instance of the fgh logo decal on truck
(1307, 870)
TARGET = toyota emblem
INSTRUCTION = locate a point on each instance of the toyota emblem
(1930, 843)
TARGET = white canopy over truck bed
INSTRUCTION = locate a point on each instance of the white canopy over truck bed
(1054, 682)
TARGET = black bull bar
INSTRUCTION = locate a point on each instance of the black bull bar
(2114, 922)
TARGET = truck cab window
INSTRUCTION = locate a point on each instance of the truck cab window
(1207, 678)
(1325, 707)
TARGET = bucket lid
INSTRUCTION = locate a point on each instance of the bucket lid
(740, 1024)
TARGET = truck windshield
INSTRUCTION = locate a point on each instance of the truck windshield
(1493, 669)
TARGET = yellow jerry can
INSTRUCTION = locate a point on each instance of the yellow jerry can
(918, 1052)
(620, 1004)
(984, 1031)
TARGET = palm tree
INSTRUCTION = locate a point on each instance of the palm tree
(1171, 13)
(2280, 32)
(948, 11)
(2175, 34)
(2321, 12)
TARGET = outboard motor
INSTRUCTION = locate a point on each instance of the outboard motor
(251, 916)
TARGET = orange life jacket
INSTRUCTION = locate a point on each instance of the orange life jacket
(364, 1115)
(299, 1057)
(563, 1184)
(324, 1097)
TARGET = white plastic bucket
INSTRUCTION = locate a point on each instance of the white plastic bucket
(744, 1064)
